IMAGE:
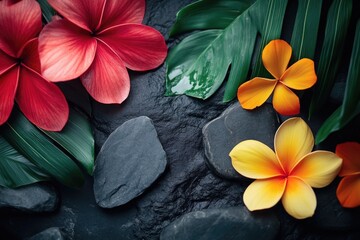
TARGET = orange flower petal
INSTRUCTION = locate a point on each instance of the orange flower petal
(293, 140)
(255, 92)
(318, 169)
(299, 199)
(301, 75)
(348, 191)
(350, 153)
(285, 101)
(254, 159)
(264, 193)
(276, 56)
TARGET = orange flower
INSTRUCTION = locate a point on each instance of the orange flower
(348, 191)
(301, 75)
(289, 173)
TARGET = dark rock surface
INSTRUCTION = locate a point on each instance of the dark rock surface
(233, 126)
(37, 198)
(130, 160)
(222, 224)
(53, 233)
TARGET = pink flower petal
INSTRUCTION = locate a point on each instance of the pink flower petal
(19, 22)
(139, 46)
(8, 85)
(41, 101)
(84, 13)
(107, 79)
(120, 12)
(66, 51)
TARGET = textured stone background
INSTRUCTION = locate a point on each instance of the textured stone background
(187, 184)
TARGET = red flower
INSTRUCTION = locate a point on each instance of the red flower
(96, 40)
(41, 102)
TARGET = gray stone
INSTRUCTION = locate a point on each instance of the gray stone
(53, 233)
(234, 125)
(223, 224)
(37, 197)
(130, 160)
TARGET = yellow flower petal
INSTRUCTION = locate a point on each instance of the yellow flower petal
(299, 199)
(301, 75)
(254, 93)
(293, 140)
(348, 191)
(276, 56)
(318, 169)
(285, 101)
(264, 193)
(254, 159)
(350, 153)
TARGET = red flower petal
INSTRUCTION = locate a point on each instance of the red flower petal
(41, 102)
(30, 55)
(84, 13)
(66, 51)
(19, 23)
(120, 12)
(107, 79)
(6, 62)
(139, 46)
(8, 85)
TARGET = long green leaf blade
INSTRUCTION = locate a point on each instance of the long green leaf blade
(335, 34)
(351, 103)
(15, 169)
(303, 40)
(46, 10)
(77, 139)
(29, 141)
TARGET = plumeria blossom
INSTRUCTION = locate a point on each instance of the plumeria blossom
(301, 75)
(41, 101)
(289, 173)
(348, 191)
(97, 40)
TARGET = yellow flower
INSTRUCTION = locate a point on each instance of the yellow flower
(289, 173)
(301, 75)
(348, 191)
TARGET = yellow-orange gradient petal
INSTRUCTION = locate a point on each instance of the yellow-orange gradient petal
(299, 199)
(264, 193)
(301, 75)
(318, 169)
(254, 93)
(254, 159)
(350, 153)
(293, 140)
(285, 101)
(276, 56)
(348, 191)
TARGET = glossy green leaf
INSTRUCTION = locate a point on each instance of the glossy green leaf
(77, 139)
(46, 10)
(338, 19)
(198, 65)
(304, 36)
(351, 103)
(15, 169)
(271, 30)
(32, 144)
(208, 14)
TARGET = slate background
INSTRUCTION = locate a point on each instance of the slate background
(187, 184)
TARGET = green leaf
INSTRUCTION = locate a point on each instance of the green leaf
(31, 143)
(46, 10)
(271, 30)
(208, 14)
(335, 34)
(15, 169)
(351, 103)
(306, 27)
(198, 65)
(77, 139)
